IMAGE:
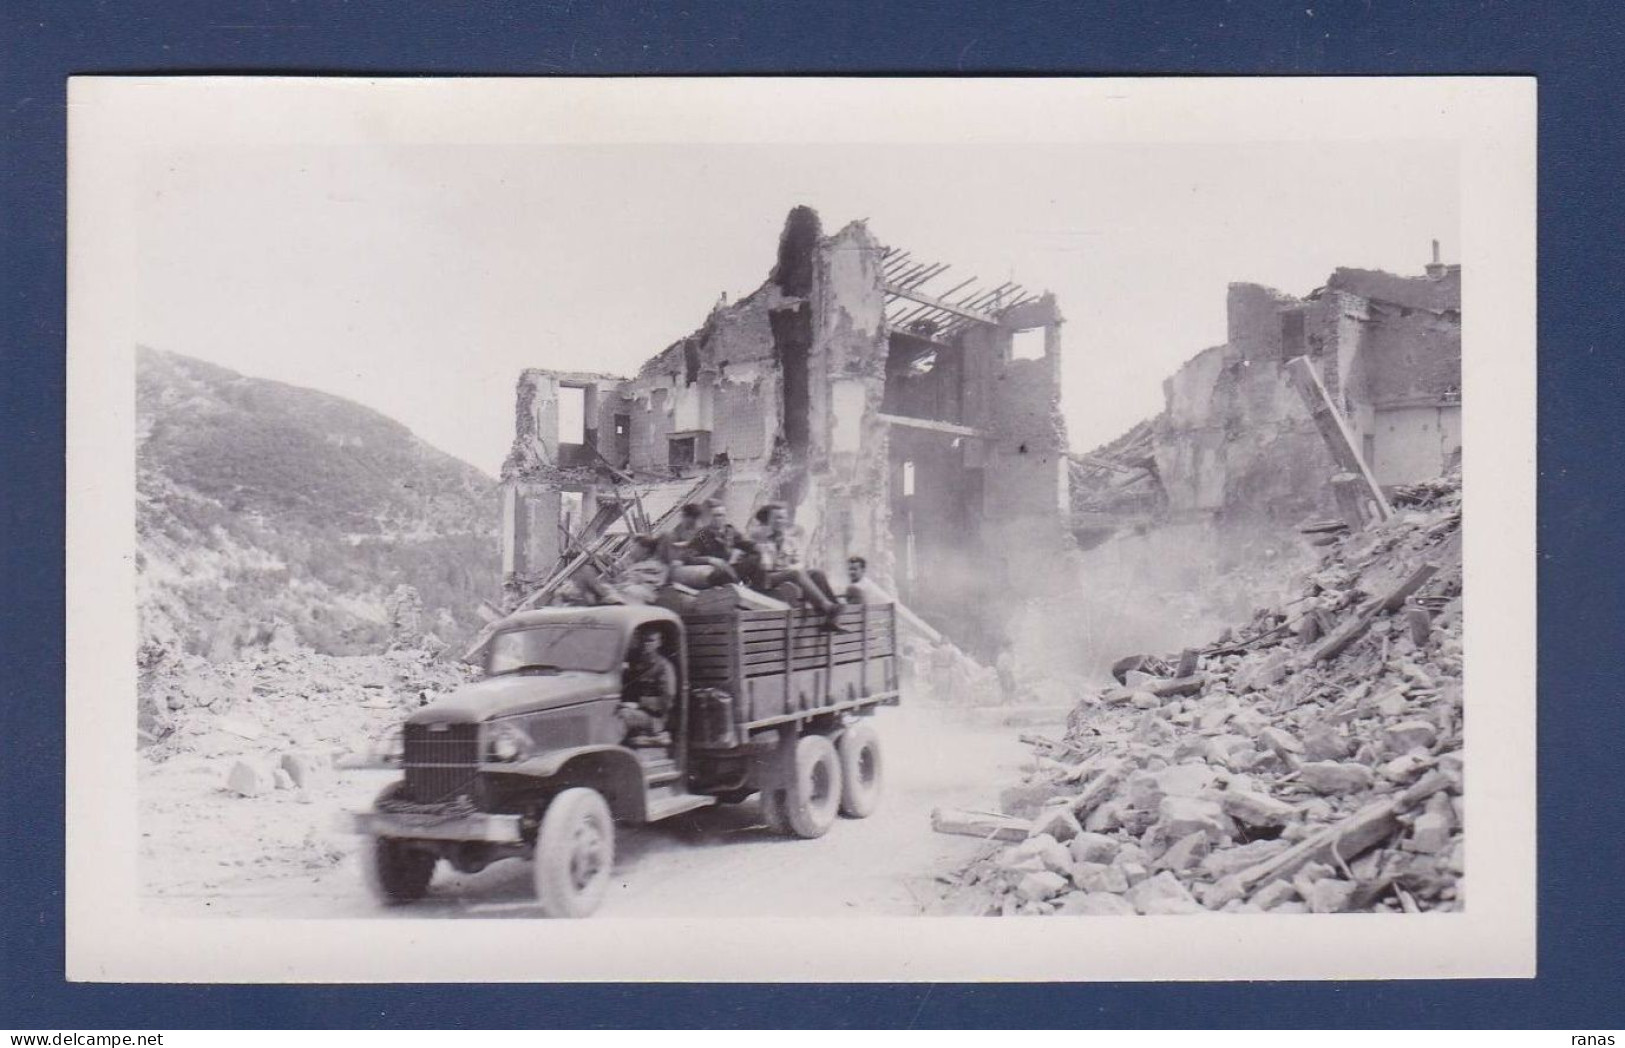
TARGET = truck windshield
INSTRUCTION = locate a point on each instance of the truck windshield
(573, 646)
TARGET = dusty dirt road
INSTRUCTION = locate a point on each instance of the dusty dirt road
(206, 851)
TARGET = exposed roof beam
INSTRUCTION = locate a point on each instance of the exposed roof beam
(932, 300)
(931, 424)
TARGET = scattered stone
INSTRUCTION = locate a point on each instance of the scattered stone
(1409, 735)
(1182, 816)
(1404, 768)
(1093, 847)
(1185, 853)
(1162, 894)
(1036, 887)
(1323, 743)
(300, 767)
(1133, 872)
(1274, 894)
(1058, 823)
(248, 780)
(1331, 777)
(1430, 833)
(282, 779)
(1096, 904)
(1227, 861)
(1094, 877)
(1257, 809)
(1281, 741)
(1330, 895)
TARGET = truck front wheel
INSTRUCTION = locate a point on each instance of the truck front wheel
(575, 851)
(813, 794)
(862, 772)
(396, 872)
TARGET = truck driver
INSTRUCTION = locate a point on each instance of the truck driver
(649, 692)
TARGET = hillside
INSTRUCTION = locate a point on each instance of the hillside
(259, 501)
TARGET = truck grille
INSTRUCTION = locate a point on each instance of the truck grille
(440, 760)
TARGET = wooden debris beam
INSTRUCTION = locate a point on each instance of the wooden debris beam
(1334, 429)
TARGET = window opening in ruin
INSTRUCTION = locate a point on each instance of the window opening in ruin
(1027, 345)
(1293, 343)
(908, 479)
(908, 557)
(681, 452)
(572, 415)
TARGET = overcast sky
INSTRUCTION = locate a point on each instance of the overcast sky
(420, 280)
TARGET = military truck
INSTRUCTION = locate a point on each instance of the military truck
(532, 760)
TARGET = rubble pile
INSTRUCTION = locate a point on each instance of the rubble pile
(1307, 762)
(243, 771)
(283, 699)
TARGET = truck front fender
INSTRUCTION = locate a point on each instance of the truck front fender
(613, 771)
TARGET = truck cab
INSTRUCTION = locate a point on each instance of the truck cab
(534, 761)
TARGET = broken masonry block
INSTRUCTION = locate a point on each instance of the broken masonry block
(1257, 809)
(971, 824)
(1057, 822)
(248, 780)
(299, 767)
(1331, 777)
(1186, 852)
(1409, 735)
(1036, 887)
(1281, 741)
(1179, 817)
(1093, 847)
(1096, 904)
(1162, 894)
(1322, 743)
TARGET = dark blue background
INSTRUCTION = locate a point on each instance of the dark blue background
(1575, 50)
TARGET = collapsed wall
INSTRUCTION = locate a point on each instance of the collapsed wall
(895, 422)
(1235, 440)
(1195, 511)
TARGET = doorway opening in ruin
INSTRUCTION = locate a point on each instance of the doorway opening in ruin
(622, 447)
(681, 453)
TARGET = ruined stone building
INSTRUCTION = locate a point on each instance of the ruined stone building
(900, 413)
(1235, 441)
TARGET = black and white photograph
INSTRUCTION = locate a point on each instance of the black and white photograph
(554, 529)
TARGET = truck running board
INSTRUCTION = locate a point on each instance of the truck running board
(665, 807)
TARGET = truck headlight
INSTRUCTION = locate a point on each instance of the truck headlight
(391, 748)
(507, 743)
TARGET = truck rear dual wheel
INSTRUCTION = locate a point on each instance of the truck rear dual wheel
(396, 872)
(807, 803)
(575, 853)
(862, 772)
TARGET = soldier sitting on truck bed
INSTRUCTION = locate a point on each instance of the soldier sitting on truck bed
(717, 555)
(780, 561)
(649, 691)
